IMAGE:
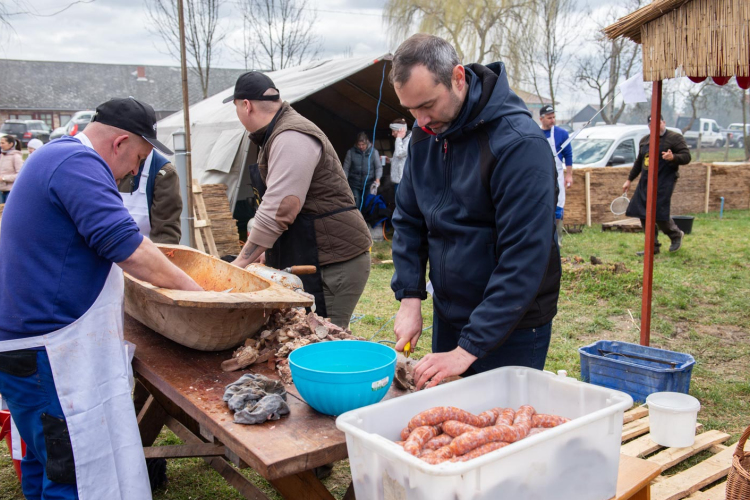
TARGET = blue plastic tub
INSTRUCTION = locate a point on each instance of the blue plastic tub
(335, 377)
(635, 369)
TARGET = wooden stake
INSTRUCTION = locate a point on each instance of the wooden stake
(588, 198)
(186, 116)
(708, 187)
(648, 255)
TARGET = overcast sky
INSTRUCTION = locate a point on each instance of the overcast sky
(114, 31)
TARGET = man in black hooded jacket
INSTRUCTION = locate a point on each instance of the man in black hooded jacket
(477, 199)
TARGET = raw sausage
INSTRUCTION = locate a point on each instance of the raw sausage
(405, 433)
(505, 416)
(488, 418)
(419, 437)
(524, 414)
(508, 433)
(536, 430)
(548, 421)
(440, 414)
(438, 456)
(482, 450)
(438, 442)
(456, 428)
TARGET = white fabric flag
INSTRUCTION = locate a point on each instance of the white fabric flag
(632, 89)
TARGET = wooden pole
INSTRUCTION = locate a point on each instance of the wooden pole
(587, 181)
(708, 188)
(186, 115)
(653, 173)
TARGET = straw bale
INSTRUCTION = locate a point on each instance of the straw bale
(730, 181)
(223, 225)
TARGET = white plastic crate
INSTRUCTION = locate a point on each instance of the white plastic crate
(575, 461)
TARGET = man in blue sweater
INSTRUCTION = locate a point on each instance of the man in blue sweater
(556, 137)
(477, 199)
(64, 369)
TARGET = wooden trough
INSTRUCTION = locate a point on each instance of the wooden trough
(212, 320)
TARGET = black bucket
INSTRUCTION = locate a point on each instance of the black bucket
(684, 222)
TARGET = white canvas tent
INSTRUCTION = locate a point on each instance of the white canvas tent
(340, 96)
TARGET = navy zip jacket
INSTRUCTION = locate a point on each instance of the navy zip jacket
(478, 202)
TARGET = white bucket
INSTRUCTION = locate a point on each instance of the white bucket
(672, 417)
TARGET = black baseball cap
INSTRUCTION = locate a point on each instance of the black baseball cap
(132, 115)
(546, 109)
(251, 86)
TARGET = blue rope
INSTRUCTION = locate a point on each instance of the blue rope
(372, 148)
(381, 328)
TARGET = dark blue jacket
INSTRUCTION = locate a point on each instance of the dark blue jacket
(478, 202)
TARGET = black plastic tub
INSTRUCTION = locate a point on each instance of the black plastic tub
(684, 222)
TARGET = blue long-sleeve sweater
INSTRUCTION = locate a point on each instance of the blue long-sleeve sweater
(561, 135)
(63, 227)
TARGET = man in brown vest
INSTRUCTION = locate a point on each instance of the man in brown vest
(307, 215)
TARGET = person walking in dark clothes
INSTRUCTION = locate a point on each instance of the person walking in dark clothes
(362, 176)
(673, 153)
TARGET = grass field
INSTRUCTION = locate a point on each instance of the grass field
(701, 306)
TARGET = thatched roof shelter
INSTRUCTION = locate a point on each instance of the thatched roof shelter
(695, 38)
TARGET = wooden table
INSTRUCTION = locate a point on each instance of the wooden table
(182, 388)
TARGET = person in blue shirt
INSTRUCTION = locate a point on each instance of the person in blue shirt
(563, 161)
(66, 239)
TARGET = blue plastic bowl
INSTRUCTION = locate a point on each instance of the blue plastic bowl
(335, 377)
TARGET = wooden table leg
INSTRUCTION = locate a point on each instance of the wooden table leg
(642, 494)
(150, 421)
(140, 396)
(303, 485)
(349, 495)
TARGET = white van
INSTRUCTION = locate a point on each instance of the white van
(609, 145)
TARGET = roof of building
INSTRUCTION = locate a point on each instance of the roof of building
(72, 86)
(586, 113)
(530, 98)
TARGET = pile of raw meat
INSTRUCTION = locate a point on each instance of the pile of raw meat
(448, 434)
(285, 331)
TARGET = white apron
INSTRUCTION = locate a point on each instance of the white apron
(137, 202)
(560, 168)
(91, 368)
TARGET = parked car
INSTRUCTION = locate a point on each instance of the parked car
(738, 138)
(707, 128)
(76, 124)
(26, 130)
(609, 145)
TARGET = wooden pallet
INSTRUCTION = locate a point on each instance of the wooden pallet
(688, 483)
(202, 224)
(631, 225)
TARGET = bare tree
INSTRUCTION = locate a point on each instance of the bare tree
(611, 62)
(549, 34)
(202, 34)
(694, 99)
(481, 30)
(12, 8)
(279, 33)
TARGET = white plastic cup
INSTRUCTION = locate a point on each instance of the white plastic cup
(672, 417)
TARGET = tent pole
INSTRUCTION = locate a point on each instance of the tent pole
(186, 115)
(653, 172)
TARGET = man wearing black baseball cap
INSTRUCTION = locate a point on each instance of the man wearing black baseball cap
(307, 215)
(63, 365)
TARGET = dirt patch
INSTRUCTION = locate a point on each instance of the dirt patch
(730, 335)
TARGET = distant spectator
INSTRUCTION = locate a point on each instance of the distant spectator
(11, 161)
(356, 168)
(34, 144)
(402, 134)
